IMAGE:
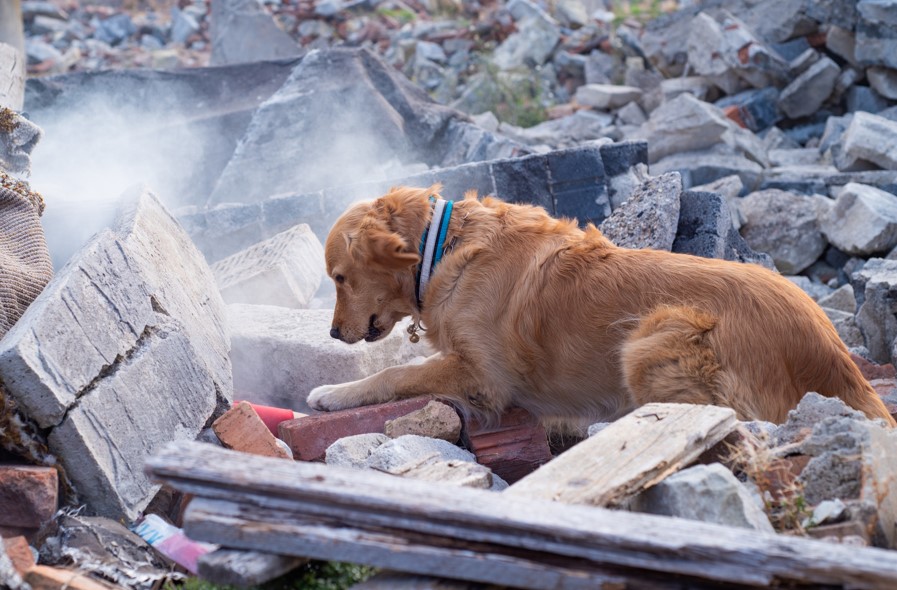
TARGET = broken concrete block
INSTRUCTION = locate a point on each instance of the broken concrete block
(681, 125)
(241, 429)
(536, 37)
(811, 410)
(863, 220)
(842, 299)
(845, 324)
(853, 459)
(398, 453)
(869, 138)
(875, 286)
(709, 493)
(309, 437)
(606, 97)
(806, 93)
(876, 43)
(126, 349)
(699, 86)
(730, 188)
(354, 451)
(884, 81)
(294, 131)
(513, 448)
(435, 420)
(279, 355)
(285, 270)
(755, 109)
(729, 49)
(414, 457)
(28, 496)
(648, 218)
(705, 229)
(242, 31)
(785, 226)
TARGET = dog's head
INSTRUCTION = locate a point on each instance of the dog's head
(371, 254)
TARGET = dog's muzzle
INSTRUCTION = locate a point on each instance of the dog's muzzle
(373, 332)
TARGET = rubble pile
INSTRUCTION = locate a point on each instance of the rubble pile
(758, 131)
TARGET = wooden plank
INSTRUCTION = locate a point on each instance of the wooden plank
(633, 453)
(242, 526)
(609, 538)
(245, 568)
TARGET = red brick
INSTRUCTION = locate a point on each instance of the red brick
(872, 370)
(310, 436)
(513, 448)
(241, 429)
(19, 553)
(28, 495)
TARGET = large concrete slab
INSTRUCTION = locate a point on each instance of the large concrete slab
(345, 116)
(285, 270)
(279, 354)
(126, 348)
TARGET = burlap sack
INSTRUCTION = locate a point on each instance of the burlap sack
(25, 266)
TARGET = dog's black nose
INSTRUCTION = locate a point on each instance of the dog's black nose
(334, 332)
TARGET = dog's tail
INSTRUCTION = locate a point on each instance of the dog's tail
(849, 384)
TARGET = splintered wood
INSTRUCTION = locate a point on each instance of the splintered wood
(323, 512)
(635, 452)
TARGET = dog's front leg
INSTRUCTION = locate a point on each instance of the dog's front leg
(443, 375)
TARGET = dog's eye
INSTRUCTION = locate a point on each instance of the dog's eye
(339, 279)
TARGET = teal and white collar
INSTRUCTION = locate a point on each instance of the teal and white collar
(432, 245)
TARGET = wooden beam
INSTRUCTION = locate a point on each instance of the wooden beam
(233, 567)
(365, 500)
(241, 525)
(635, 452)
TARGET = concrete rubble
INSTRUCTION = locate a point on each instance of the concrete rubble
(762, 132)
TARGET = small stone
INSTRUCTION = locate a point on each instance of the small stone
(730, 188)
(842, 300)
(435, 420)
(842, 43)
(708, 493)
(606, 96)
(354, 451)
(846, 326)
(454, 472)
(884, 81)
(807, 92)
(598, 427)
(631, 114)
(532, 44)
(863, 98)
(755, 109)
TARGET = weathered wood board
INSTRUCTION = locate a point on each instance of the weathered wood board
(609, 541)
(633, 453)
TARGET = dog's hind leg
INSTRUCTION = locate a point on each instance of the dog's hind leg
(441, 375)
(667, 358)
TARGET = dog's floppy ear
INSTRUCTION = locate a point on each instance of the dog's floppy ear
(376, 245)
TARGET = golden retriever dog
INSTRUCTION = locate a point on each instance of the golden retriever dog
(531, 311)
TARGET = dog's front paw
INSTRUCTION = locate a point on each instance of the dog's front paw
(329, 398)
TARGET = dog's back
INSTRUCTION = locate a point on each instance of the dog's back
(572, 325)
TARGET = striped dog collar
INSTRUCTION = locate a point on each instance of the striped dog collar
(432, 244)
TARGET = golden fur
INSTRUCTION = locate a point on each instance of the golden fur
(532, 311)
